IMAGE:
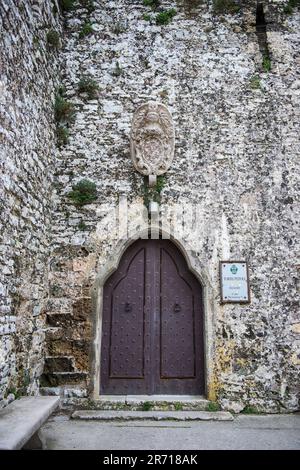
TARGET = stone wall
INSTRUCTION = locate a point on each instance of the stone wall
(236, 127)
(236, 146)
(29, 68)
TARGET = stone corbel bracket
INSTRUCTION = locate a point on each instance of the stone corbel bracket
(152, 140)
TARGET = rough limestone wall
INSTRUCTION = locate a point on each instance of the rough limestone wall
(28, 75)
(235, 158)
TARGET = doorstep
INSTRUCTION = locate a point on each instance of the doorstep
(107, 415)
(137, 399)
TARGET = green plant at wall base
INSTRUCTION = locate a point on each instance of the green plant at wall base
(64, 110)
(53, 39)
(62, 135)
(165, 17)
(146, 17)
(147, 405)
(266, 64)
(66, 5)
(250, 410)
(83, 192)
(89, 87)
(178, 406)
(86, 30)
(13, 391)
(225, 6)
(213, 406)
(255, 83)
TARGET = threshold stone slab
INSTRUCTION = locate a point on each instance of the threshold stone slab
(94, 415)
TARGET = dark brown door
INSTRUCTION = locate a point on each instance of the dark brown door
(152, 329)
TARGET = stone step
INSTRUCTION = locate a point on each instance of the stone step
(154, 402)
(65, 392)
(76, 397)
(110, 415)
(63, 378)
(59, 364)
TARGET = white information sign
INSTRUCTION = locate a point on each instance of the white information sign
(234, 282)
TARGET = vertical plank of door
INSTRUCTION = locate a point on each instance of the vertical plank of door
(147, 319)
(156, 314)
(151, 286)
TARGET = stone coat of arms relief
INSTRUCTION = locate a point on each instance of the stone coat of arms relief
(152, 140)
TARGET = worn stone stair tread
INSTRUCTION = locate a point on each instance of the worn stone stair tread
(107, 415)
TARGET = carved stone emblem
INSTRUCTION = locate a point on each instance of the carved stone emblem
(152, 139)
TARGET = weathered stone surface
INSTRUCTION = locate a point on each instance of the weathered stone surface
(21, 419)
(152, 415)
(59, 364)
(56, 379)
(235, 160)
(29, 75)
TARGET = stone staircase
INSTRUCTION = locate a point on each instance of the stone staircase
(60, 371)
(136, 408)
(76, 398)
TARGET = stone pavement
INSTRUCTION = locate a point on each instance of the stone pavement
(268, 432)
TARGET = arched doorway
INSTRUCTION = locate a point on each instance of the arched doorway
(152, 324)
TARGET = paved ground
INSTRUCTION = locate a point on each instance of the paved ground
(245, 432)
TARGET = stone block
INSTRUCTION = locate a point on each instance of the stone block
(58, 364)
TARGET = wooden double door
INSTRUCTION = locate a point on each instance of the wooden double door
(152, 326)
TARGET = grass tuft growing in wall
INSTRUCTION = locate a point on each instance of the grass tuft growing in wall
(89, 87)
(213, 406)
(288, 9)
(88, 4)
(64, 113)
(266, 64)
(86, 30)
(165, 17)
(146, 406)
(82, 226)
(178, 406)
(64, 110)
(226, 6)
(66, 5)
(153, 194)
(53, 39)
(255, 83)
(151, 3)
(147, 17)
(62, 135)
(250, 410)
(83, 192)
